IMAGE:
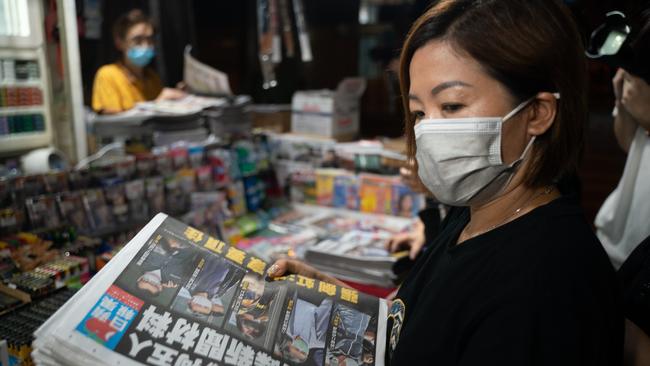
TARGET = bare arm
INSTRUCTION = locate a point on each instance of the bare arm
(285, 267)
(624, 127)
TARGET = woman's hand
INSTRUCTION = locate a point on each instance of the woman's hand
(617, 84)
(632, 107)
(171, 94)
(283, 267)
(635, 97)
(412, 241)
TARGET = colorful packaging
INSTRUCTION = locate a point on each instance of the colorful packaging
(246, 157)
(237, 198)
(254, 192)
(204, 179)
(195, 155)
(346, 192)
(375, 193)
(303, 187)
(218, 160)
(180, 156)
(325, 185)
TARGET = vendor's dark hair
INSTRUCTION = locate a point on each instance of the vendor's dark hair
(127, 20)
(530, 46)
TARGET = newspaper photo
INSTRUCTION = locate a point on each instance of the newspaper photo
(177, 296)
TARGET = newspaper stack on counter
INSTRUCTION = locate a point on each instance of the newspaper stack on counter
(352, 245)
(176, 296)
(347, 244)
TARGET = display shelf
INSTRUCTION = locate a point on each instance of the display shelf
(24, 141)
(33, 83)
(24, 65)
(10, 111)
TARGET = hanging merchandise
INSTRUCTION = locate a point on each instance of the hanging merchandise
(287, 30)
(266, 39)
(270, 15)
(276, 40)
(303, 36)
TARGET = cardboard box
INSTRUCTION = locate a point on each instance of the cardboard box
(272, 117)
(329, 113)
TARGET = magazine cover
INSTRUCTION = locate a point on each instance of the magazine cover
(325, 179)
(375, 193)
(406, 203)
(177, 296)
(346, 192)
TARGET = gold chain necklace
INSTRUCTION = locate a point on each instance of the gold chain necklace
(546, 191)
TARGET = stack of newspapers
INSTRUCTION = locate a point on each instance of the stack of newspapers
(352, 245)
(358, 256)
(177, 296)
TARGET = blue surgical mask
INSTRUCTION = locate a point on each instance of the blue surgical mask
(140, 55)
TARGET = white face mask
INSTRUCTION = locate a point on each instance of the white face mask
(459, 159)
(152, 277)
(201, 301)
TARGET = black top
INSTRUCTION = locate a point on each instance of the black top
(430, 216)
(635, 275)
(539, 290)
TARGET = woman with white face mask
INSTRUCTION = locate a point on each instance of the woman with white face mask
(120, 85)
(494, 92)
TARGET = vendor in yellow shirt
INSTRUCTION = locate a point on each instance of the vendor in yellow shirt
(119, 86)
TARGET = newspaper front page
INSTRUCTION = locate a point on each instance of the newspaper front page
(178, 296)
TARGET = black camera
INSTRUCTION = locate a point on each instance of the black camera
(616, 43)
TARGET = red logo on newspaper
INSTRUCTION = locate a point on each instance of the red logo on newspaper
(125, 297)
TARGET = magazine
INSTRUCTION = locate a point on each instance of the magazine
(177, 296)
(347, 244)
(352, 245)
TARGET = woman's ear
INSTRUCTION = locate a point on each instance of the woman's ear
(542, 115)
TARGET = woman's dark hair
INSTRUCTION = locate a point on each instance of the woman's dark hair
(529, 46)
(126, 21)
